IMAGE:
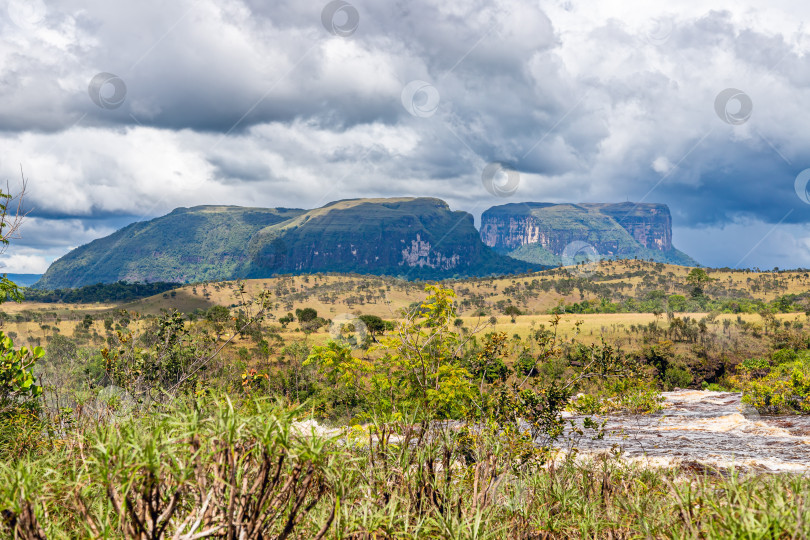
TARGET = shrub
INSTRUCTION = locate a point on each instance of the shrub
(784, 356)
(676, 377)
(305, 315)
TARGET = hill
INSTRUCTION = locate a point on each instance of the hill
(204, 243)
(546, 233)
(406, 237)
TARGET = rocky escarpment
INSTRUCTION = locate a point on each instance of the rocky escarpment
(541, 232)
(649, 224)
(413, 237)
(408, 237)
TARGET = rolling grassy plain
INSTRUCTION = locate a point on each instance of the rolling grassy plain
(480, 302)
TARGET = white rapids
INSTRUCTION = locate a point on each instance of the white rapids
(712, 429)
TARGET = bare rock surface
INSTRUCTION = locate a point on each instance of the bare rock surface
(710, 428)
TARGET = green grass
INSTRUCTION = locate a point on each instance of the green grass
(213, 459)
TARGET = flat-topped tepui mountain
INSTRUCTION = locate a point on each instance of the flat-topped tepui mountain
(408, 237)
(415, 238)
(540, 232)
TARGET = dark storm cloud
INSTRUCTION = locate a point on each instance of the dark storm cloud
(193, 66)
(39, 233)
(248, 102)
(229, 170)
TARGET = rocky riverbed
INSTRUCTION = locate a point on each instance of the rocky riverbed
(711, 429)
(694, 429)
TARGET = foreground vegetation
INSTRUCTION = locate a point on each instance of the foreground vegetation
(214, 469)
(213, 423)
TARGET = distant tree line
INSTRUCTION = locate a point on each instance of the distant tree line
(122, 291)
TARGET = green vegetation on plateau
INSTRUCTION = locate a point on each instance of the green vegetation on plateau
(409, 237)
(412, 238)
(540, 232)
(203, 243)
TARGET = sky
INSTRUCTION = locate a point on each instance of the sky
(118, 111)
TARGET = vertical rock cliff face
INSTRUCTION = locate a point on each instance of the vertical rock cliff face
(364, 235)
(418, 237)
(540, 232)
(649, 224)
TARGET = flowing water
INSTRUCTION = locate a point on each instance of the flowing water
(707, 428)
(694, 429)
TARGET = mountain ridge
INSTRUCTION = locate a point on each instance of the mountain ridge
(410, 237)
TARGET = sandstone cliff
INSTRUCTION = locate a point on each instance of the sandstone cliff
(409, 237)
(413, 237)
(540, 232)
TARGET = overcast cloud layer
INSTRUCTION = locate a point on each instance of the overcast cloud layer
(256, 103)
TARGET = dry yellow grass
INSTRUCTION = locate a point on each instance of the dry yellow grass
(385, 297)
(391, 295)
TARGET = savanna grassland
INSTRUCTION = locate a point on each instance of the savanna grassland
(629, 303)
(347, 406)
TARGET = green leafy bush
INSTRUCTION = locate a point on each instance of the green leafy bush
(780, 386)
(677, 377)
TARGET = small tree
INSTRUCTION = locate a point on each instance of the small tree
(306, 315)
(285, 320)
(343, 371)
(218, 316)
(374, 324)
(697, 278)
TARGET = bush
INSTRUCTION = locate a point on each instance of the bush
(676, 377)
(785, 388)
(784, 356)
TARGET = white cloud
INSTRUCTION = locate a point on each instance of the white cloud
(23, 264)
(243, 102)
(662, 165)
